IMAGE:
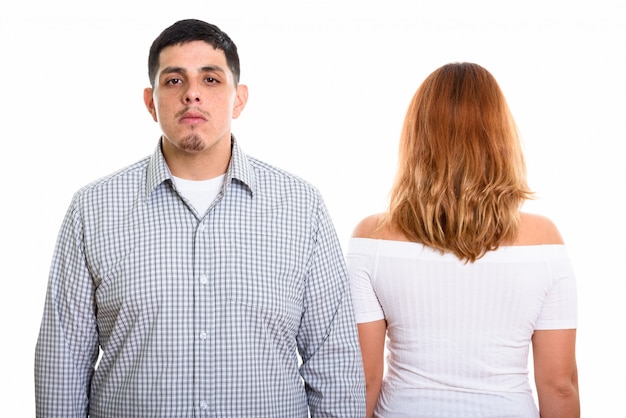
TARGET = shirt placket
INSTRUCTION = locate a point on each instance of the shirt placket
(204, 329)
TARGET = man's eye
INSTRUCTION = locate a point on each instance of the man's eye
(211, 80)
(173, 81)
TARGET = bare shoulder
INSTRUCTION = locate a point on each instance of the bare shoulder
(368, 227)
(376, 227)
(537, 230)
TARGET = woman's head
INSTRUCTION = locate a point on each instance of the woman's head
(461, 177)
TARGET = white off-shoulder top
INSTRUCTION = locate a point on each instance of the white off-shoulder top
(458, 334)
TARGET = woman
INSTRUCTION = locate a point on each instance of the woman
(455, 277)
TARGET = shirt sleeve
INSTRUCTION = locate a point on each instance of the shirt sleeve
(67, 345)
(328, 343)
(360, 259)
(559, 309)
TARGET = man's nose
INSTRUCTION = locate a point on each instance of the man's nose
(192, 94)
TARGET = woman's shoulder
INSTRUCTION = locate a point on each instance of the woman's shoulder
(376, 227)
(537, 229)
(368, 227)
(534, 229)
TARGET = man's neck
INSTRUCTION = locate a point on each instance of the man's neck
(202, 165)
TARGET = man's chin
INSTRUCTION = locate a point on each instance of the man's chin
(192, 144)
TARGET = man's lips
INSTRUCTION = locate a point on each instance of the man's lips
(192, 117)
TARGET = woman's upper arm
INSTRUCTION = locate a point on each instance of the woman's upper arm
(372, 339)
(556, 372)
(554, 354)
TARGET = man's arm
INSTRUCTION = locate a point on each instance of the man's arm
(67, 346)
(328, 338)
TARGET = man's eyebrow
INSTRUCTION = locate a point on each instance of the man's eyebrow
(212, 68)
(181, 70)
(170, 70)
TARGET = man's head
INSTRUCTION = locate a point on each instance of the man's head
(195, 94)
(189, 30)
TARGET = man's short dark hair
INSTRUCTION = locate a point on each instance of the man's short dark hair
(189, 30)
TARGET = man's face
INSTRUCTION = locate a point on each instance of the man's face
(194, 98)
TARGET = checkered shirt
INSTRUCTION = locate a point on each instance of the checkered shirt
(244, 311)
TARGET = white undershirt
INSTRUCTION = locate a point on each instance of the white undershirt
(200, 193)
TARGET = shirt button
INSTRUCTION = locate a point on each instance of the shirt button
(204, 279)
(204, 405)
(203, 335)
(202, 227)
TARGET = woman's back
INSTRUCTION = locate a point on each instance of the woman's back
(454, 276)
(458, 333)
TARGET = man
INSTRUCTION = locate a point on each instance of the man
(212, 283)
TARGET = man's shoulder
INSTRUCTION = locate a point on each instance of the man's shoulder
(269, 173)
(121, 177)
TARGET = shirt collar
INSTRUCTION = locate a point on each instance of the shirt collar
(239, 170)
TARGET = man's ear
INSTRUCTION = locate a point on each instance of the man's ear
(148, 100)
(240, 100)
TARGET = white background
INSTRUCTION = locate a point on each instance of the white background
(329, 84)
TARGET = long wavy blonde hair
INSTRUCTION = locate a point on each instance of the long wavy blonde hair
(461, 176)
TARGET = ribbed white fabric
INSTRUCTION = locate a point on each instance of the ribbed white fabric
(458, 334)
